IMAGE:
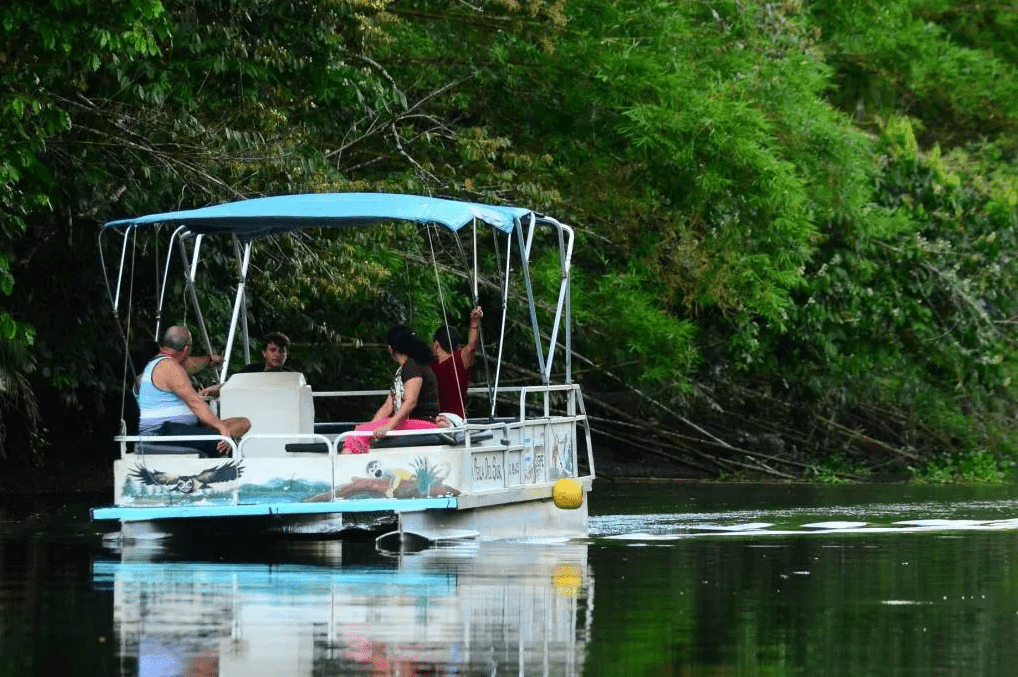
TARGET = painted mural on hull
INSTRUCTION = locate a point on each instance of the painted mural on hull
(422, 479)
(188, 481)
(164, 480)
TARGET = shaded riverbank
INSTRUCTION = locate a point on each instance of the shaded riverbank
(53, 478)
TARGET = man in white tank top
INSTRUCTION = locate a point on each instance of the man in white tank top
(169, 404)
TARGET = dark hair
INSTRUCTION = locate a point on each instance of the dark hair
(403, 340)
(448, 337)
(279, 338)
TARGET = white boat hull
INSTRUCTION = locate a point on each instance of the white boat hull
(491, 478)
(534, 519)
(431, 493)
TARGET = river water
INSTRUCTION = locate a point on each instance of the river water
(674, 579)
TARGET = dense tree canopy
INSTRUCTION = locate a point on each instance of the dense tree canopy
(798, 220)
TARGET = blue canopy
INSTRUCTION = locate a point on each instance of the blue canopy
(268, 215)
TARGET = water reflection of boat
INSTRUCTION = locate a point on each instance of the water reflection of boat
(492, 477)
(494, 608)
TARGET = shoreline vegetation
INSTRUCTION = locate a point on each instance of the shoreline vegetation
(796, 222)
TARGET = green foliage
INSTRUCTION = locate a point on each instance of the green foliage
(717, 211)
(924, 59)
(976, 467)
(833, 469)
(811, 201)
(18, 408)
(48, 53)
(623, 321)
(911, 316)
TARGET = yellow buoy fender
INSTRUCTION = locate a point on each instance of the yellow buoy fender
(568, 494)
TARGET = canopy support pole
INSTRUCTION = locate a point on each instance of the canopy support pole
(530, 301)
(120, 273)
(474, 224)
(505, 307)
(246, 334)
(177, 236)
(563, 306)
(237, 305)
(192, 275)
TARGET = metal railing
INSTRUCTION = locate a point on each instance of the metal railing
(462, 435)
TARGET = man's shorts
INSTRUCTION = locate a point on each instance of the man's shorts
(205, 449)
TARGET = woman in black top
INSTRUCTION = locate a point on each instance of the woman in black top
(412, 403)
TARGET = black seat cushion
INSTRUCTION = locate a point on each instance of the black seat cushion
(431, 439)
(308, 447)
(165, 448)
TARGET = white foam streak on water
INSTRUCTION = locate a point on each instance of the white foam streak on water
(872, 519)
(833, 525)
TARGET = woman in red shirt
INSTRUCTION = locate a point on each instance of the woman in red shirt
(454, 366)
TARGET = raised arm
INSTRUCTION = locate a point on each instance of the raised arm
(468, 351)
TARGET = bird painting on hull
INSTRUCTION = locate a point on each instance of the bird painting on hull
(187, 484)
(395, 476)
